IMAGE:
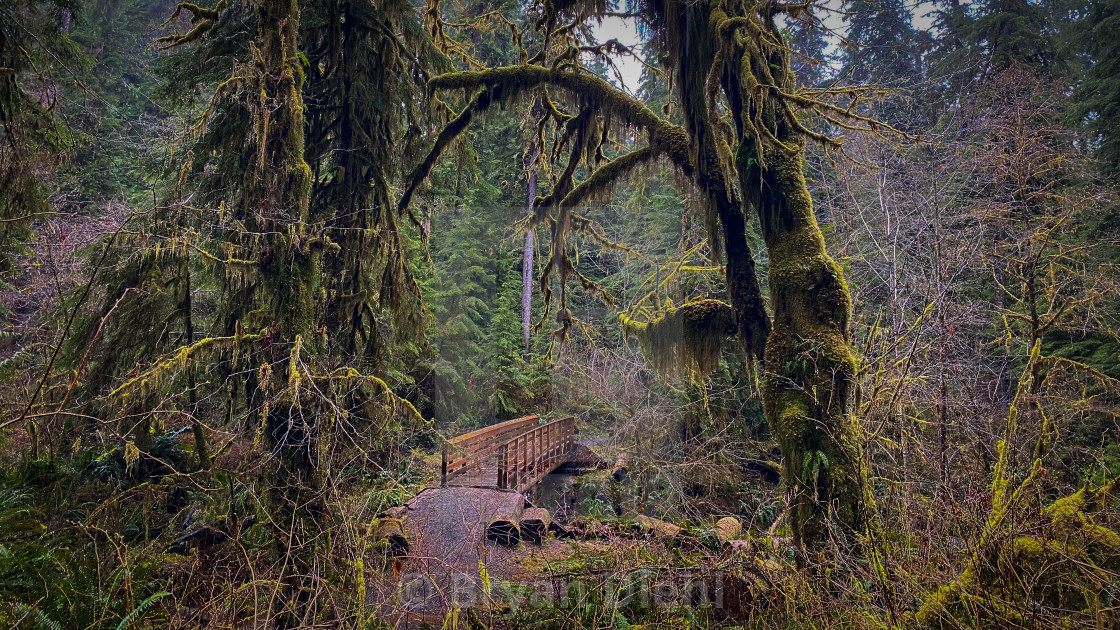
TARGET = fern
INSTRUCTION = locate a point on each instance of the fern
(138, 612)
(37, 616)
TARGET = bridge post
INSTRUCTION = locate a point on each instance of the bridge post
(443, 467)
(517, 448)
(503, 466)
(532, 456)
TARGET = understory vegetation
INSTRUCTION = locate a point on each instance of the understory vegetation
(830, 288)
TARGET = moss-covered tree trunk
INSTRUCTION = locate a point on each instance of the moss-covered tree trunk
(810, 368)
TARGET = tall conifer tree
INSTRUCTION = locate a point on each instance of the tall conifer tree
(881, 45)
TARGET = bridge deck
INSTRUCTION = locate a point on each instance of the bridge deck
(446, 530)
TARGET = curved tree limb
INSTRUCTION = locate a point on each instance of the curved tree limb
(446, 137)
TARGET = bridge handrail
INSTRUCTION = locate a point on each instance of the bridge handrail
(474, 436)
(527, 458)
(462, 451)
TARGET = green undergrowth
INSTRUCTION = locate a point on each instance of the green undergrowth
(109, 538)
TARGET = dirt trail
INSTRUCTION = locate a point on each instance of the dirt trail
(446, 530)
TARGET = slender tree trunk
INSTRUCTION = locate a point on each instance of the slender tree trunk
(900, 419)
(192, 396)
(943, 385)
(527, 261)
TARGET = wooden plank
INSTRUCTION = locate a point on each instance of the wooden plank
(517, 425)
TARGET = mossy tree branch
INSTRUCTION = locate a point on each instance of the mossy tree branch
(665, 139)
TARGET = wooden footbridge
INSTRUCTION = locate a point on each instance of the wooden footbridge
(513, 455)
(483, 476)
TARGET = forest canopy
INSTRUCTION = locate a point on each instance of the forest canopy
(547, 306)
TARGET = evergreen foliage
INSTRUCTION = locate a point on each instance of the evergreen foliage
(36, 51)
(1097, 101)
(881, 45)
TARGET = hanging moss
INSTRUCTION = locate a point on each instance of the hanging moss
(688, 338)
(171, 366)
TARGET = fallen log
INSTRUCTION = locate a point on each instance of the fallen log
(621, 467)
(535, 523)
(728, 529)
(660, 529)
(400, 511)
(769, 471)
(559, 530)
(207, 536)
(391, 531)
(504, 530)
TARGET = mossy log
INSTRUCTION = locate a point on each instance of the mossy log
(661, 530)
(728, 529)
(535, 523)
(504, 529)
(207, 536)
(621, 467)
(391, 531)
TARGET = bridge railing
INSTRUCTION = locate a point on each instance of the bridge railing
(515, 454)
(527, 458)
